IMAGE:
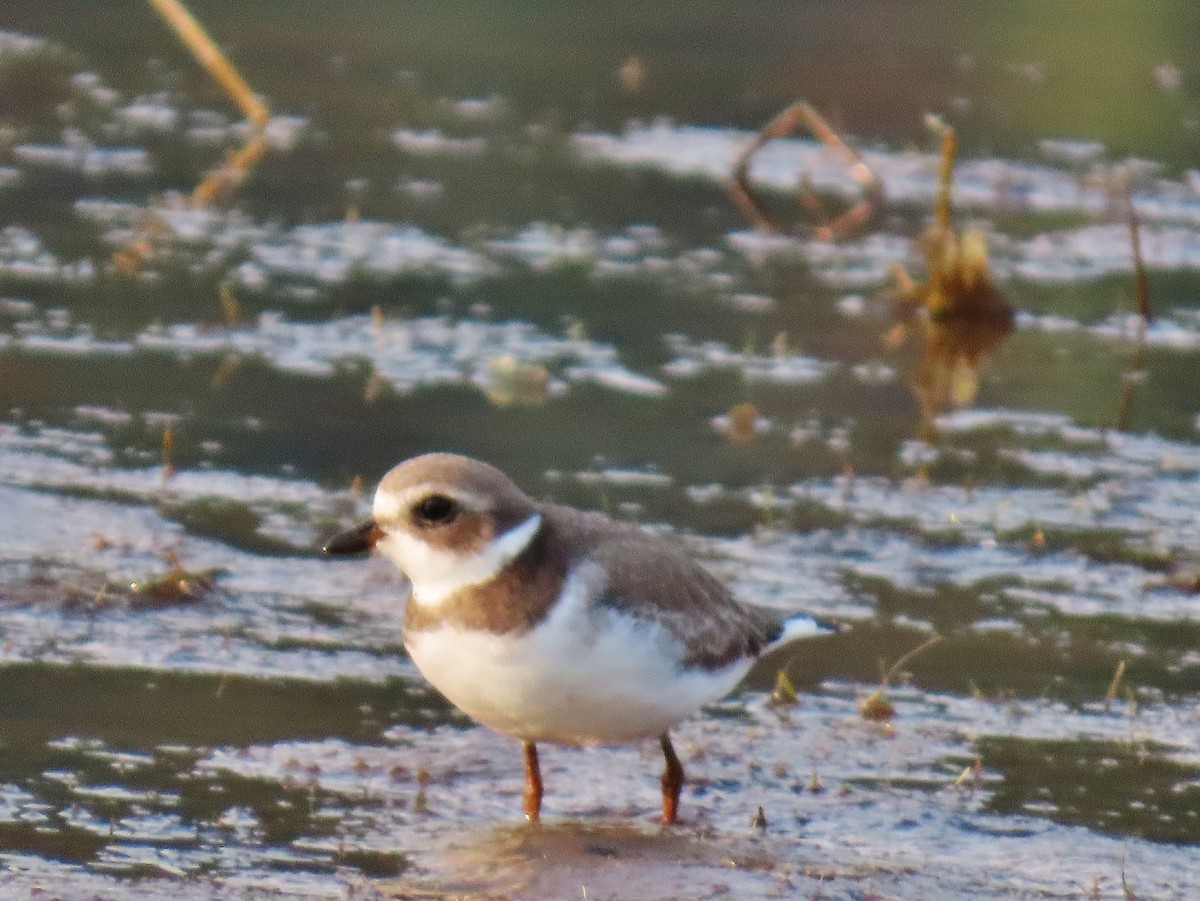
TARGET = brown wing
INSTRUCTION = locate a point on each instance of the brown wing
(681, 596)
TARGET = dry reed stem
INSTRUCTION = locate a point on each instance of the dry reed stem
(1141, 286)
(168, 454)
(876, 705)
(942, 208)
(904, 282)
(193, 35)
(794, 118)
(231, 307)
(907, 658)
(1141, 296)
(232, 172)
(1114, 685)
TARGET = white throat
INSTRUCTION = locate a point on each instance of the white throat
(437, 574)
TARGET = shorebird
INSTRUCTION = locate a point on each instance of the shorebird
(551, 624)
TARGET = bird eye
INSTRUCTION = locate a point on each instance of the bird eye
(437, 509)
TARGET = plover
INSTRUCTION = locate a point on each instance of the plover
(551, 624)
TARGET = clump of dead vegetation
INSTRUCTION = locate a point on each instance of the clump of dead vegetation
(178, 586)
(877, 705)
(959, 314)
(95, 591)
(1135, 372)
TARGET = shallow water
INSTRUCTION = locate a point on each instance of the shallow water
(467, 235)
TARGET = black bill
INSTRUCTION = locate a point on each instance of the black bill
(358, 540)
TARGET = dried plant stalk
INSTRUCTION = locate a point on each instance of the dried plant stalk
(1133, 375)
(946, 177)
(209, 55)
(957, 309)
(796, 117)
(232, 172)
(1141, 286)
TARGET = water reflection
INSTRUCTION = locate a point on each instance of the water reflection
(556, 860)
(955, 347)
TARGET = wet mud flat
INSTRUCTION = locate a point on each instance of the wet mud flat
(438, 250)
(850, 809)
(268, 739)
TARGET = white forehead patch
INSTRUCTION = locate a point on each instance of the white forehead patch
(388, 506)
(437, 574)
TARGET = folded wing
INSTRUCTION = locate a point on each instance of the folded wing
(685, 599)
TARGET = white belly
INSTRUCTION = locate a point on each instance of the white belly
(580, 677)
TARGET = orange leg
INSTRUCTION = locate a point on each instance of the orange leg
(533, 782)
(672, 781)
